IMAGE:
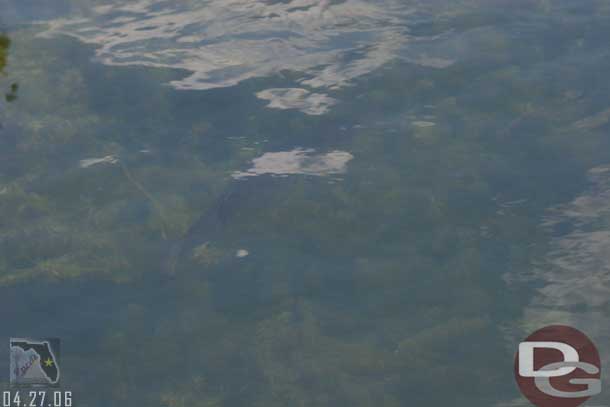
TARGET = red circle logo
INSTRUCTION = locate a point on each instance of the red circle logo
(558, 366)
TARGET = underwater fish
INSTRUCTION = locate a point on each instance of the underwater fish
(255, 189)
(248, 194)
(274, 269)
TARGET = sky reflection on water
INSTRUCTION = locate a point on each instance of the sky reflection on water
(222, 43)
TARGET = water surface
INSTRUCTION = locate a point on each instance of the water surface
(302, 203)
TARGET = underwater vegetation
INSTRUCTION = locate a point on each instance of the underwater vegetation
(372, 287)
(5, 44)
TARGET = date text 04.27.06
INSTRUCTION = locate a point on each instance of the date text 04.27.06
(36, 398)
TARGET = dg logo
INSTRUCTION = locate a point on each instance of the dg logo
(558, 366)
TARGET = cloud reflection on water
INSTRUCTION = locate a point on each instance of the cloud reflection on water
(578, 272)
(298, 161)
(573, 279)
(296, 98)
(224, 42)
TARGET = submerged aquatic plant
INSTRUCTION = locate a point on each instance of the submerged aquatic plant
(5, 44)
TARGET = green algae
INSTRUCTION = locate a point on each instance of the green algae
(373, 290)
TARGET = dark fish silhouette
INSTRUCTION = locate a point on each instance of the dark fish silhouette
(236, 285)
(246, 194)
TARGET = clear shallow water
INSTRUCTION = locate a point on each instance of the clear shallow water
(302, 203)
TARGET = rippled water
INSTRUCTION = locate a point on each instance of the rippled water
(302, 202)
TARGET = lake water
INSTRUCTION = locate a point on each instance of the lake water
(302, 202)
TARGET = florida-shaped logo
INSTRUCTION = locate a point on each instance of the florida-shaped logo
(34, 361)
